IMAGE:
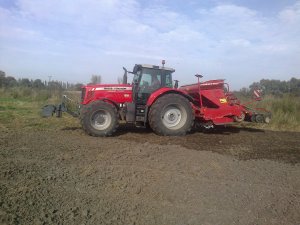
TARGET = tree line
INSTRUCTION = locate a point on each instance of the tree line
(268, 86)
(10, 81)
(274, 87)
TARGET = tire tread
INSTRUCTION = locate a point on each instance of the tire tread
(86, 112)
(155, 110)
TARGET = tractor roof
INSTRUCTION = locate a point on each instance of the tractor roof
(137, 66)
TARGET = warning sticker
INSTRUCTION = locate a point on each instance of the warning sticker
(223, 100)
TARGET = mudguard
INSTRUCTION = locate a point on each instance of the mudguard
(166, 90)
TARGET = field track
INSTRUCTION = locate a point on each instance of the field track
(226, 176)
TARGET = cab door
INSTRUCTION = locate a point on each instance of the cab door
(150, 81)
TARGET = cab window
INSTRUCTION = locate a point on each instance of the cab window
(169, 82)
(146, 80)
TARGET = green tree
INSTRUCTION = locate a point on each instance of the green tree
(38, 84)
(2, 78)
(277, 87)
(77, 87)
(10, 82)
(25, 82)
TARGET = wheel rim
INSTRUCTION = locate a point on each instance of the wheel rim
(174, 116)
(259, 118)
(101, 120)
(240, 118)
(267, 119)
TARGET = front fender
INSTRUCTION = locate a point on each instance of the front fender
(104, 100)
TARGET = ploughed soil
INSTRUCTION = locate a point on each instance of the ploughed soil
(229, 175)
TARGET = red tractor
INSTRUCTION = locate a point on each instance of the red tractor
(152, 100)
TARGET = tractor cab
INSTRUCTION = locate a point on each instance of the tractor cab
(147, 79)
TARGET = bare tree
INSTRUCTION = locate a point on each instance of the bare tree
(96, 79)
(120, 80)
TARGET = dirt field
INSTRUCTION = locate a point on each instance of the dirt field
(226, 176)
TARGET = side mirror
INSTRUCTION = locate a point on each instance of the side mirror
(176, 84)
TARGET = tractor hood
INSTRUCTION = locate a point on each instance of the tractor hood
(117, 93)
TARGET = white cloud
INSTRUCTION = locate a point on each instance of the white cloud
(162, 19)
(20, 33)
(233, 11)
(291, 15)
(241, 42)
(69, 9)
(227, 39)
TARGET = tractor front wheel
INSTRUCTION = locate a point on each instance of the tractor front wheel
(171, 115)
(99, 118)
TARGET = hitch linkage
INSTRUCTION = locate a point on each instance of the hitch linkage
(50, 110)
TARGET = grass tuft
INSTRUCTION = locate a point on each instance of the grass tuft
(21, 108)
(285, 112)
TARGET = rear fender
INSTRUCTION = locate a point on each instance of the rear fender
(163, 91)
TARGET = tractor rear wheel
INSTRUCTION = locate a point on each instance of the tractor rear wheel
(99, 118)
(171, 115)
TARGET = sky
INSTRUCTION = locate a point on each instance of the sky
(241, 41)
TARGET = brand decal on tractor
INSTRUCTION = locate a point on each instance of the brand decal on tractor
(113, 88)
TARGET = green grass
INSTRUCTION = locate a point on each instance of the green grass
(285, 112)
(25, 112)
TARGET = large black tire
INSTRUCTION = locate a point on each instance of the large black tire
(99, 118)
(171, 115)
